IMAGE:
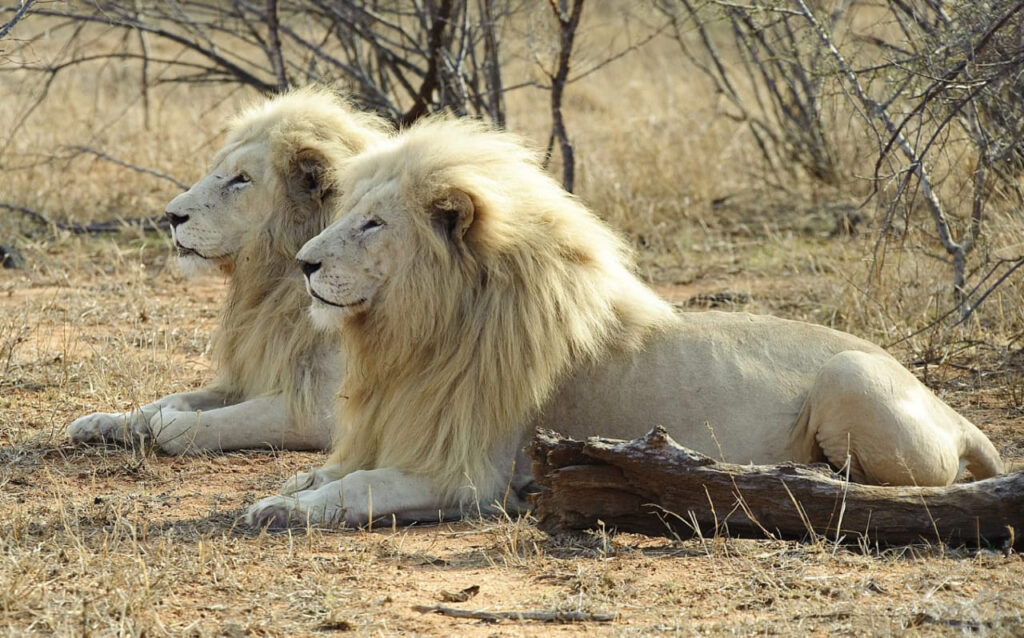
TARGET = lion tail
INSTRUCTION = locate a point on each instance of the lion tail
(982, 457)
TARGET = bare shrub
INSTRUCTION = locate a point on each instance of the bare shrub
(770, 71)
(950, 91)
(402, 60)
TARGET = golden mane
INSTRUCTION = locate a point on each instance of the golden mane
(265, 342)
(464, 346)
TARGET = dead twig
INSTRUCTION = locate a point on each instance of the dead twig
(119, 162)
(147, 224)
(18, 15)
(495, 616)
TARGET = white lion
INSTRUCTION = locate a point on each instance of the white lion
(478, 300)
(271, 188)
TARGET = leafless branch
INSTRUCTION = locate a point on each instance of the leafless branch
(492, 62)
(542, 616)
(19, 13)
(568, 18)
(119, 162)
(209, 52)
(145, 58)
(274, 47)
(402, 60)
(148, 224)
(786, 86)
(956, 249)
(978, 295)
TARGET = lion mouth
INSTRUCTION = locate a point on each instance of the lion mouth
(358, 302)
(185, 251)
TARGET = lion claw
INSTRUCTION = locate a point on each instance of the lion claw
(274, 512)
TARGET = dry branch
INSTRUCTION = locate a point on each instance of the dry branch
(78, 150)
(494, 616)
(147, 224)
(568, 22)
(19, 13)
(274, 47)
(653, 485)
(957, 249)
(952, 81)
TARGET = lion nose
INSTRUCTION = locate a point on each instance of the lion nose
(175, 219)
(308, 268)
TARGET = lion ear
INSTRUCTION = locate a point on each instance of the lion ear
(309, 176)
(453, 214)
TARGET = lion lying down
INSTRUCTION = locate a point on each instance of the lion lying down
(477, 299)
(271, 188)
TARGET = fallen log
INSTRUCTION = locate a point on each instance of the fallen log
(652, 485)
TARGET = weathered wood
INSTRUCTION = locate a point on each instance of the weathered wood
(654, 486)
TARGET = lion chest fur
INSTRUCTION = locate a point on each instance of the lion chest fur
(725, 384)
(266, 343)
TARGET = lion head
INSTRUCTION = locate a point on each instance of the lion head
(467, 282)
(273, 176)
(272, 187)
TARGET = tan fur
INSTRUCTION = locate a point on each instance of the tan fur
(478, 299)
(287, 149)
(447, 364)
(265, 342)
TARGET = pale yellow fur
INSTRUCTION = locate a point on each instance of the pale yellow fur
(477, 300)
(426, 395)
(271, 187)
(265, 342)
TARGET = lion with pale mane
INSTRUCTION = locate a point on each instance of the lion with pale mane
(270, 189)
(479, 300)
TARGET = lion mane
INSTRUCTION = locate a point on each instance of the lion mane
(461, 352)
(265, 342)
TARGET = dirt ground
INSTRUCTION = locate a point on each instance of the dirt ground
(113, 541)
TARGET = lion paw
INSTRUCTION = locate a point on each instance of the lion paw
(274, 512)
(311, 480)
(104, 427)
(321, 506)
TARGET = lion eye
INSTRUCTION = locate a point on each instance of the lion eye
(239, 179)
(370, 224)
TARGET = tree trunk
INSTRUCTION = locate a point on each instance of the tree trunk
(654, 486)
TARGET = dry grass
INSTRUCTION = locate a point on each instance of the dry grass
(121, 542)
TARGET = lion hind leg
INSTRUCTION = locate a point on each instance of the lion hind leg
(867, 410)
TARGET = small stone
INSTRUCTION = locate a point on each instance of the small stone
(11, 258)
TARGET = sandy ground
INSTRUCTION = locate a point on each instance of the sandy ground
(113, 541)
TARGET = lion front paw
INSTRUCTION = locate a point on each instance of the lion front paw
(311, 480)
(103, 427)
(321, 506)
(273, 512)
